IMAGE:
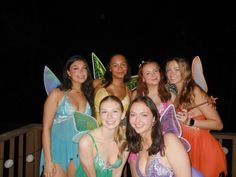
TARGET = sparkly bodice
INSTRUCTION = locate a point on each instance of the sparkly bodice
(155, 168)
(102, 164)
(65, 110)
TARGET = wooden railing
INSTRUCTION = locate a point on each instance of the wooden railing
(20, 151)
(228, 141)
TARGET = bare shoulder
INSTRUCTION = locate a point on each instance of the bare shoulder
(55, 94)
(85, 141)
(170, 138)
(96, 82)
(199, 95)
(134, 93)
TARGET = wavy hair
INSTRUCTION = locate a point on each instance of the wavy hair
(87, 86)
(186, 96)
(135, 140)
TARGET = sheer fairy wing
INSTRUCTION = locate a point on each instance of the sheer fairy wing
(170, 124)
(197, 73)
(98, 68)
(132, 83)
(50, 80)
(82, 124)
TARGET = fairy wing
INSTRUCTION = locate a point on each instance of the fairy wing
(50, 80)
(82, 124)
(170, 124)
(132, 83)
(98, 68)
(197, 73)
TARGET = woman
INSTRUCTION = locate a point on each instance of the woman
(103, 151)
(158, 155)
(114, 84)
(150, 83)
(59, 154)
(198, 115)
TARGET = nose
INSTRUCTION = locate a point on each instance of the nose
(136, 119)
(109, 115)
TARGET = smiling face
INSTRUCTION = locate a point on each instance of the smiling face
(78, 71)
(118, 66)
(151, 74)
(111, 113)
(173, 72)
(141, 118)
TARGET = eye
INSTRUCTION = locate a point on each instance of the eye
(124, 65)
(131, 114)
(103, 112)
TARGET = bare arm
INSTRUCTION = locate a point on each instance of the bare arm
(177, 156)
(86, 155)
(213, 120)
(97, 84)
(50, 107)
(134, 93)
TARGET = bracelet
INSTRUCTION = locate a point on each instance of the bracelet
(191, 122)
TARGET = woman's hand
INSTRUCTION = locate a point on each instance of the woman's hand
(49, 169)
(183, 116)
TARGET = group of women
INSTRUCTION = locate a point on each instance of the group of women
(130, 126)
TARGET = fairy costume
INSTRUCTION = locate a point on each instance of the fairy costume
(206, 152)
(63, 149)
(102, 168)
(155, 168)
(169, 124)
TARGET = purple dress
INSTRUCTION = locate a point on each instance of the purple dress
(155, 168)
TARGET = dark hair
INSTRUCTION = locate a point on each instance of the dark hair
(142, 86)
(108, 75)
(87, 86)
(134, 139)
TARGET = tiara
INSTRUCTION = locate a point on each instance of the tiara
(142, 62)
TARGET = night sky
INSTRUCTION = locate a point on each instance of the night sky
(38, 33)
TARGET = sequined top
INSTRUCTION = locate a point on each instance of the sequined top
(103, 169)
(155, 168)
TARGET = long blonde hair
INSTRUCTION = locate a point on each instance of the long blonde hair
(120, 137)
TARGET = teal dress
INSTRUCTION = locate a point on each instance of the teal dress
(63, 149)
(101, 167)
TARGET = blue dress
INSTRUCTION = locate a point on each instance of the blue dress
(63, 149)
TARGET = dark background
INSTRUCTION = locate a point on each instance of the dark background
(37, 33)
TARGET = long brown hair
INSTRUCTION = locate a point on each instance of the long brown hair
(186, 96)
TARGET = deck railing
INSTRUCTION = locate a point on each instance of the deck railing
(20, 151)
(228, 141)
